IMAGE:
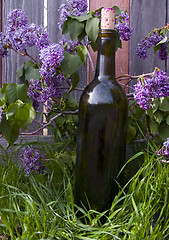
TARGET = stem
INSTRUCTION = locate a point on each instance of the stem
(25, 54)
(50, 121)
(32, 59)
(127, 76)
(91, 62)
(148, 126)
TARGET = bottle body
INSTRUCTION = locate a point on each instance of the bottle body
(102, 126)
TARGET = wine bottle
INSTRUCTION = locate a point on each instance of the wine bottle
(103, 113)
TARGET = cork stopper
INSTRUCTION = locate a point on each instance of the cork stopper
(107, 18)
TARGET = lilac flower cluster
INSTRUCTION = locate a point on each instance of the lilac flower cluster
(40, 93)
(51, 57)
(69, 45)
(31, 160)
(152, 40)
(52, 78)
(162, 53)
(72, 7)
(164, 151)
(122, 25)
(20, 35)
(41, 90)
(151, 88)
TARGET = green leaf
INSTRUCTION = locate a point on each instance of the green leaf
(9, 133)
(70, 64)
(156, 48)
(118, 42)
(117, 9)
(168, 48)
(167, 120)
(158, 116)
(158, 45)
(82, 18)
(82, 52)
(92, 28)
(153, 126)
(15, 92)
(71, 103)
(75, 28)
(4, 85)
(13, 136)
(31, 116)
(164, 40)
(31, 73)
(138, 112)
(5, 127)
(149, 112)
(155, 104)
(74, 81)
(164, 104)
(20, 71)
(82, 35)
(94, 45)
(20, 114)
(65, 29)
(131, 133)
(164, 131)
(10, 113)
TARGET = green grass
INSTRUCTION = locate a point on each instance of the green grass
(42, 205)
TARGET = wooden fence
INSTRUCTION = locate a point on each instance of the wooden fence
(35, 11)
(145, 15)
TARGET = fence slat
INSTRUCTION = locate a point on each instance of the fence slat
(56, 34)
(145, 15)
(53, 19)
(34, 10)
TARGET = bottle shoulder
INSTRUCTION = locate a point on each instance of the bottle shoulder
(100, 92)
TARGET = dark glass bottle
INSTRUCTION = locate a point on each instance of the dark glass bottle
(103, 113)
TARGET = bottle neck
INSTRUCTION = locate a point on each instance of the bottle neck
(106, 54)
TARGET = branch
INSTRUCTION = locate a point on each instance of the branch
(50, 121)
(91, 62)
(25, 54)
(127, 76)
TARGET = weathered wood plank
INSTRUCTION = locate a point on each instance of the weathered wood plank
(145, 15)
(53, 19)
(55, 36)
(122, 55)
(34, 10)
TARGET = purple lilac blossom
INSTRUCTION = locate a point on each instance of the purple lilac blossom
(37, 35)
(151, 40)
(20, 35)
(41, 90)
(150, 88)
(123, 26)
(16, 19)
(164, 151)
(72, 7)
(3, 50)
(162, 53)
(51, 57)
(69, 45)
(31, 160)
(40, 94)
(35, 88)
